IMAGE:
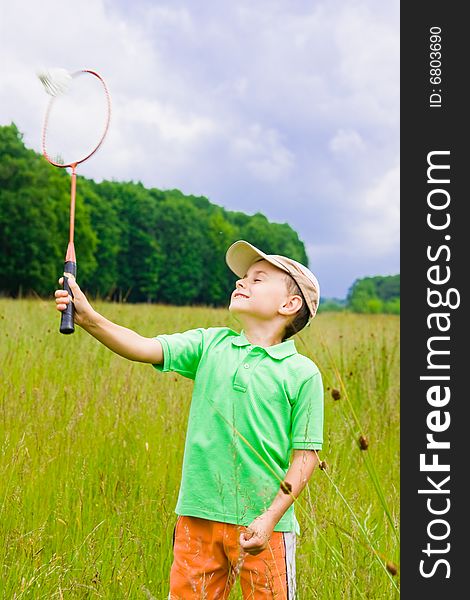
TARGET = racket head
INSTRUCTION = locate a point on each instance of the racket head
(77, 116)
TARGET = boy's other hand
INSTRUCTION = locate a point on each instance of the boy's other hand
(83, 309)
(257, 535)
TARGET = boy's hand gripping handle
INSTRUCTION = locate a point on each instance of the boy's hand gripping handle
(66, 321)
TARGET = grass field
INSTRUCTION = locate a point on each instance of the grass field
(92, 445)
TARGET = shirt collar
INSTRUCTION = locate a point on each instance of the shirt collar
(278, 351)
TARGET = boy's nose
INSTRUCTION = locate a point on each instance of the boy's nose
(240, 283)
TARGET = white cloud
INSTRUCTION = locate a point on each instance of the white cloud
(368, 64)
(379, 224)
(263, 153)
(346, 141)
(167, 123)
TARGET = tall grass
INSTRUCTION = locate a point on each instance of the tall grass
(92, 445)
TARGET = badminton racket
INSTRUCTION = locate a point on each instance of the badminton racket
(75, 125)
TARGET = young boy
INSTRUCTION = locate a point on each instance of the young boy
(255, 402)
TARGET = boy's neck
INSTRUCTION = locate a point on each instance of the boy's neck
(263, 334)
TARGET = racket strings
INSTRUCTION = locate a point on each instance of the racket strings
(77, 117)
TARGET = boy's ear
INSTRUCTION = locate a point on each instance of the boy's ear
(291, 306)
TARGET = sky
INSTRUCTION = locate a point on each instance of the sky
(285, 107)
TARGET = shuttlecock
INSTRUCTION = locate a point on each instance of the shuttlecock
(55, 81)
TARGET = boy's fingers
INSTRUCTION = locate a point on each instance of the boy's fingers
(245, 536)
(251, 545)
(72, 283)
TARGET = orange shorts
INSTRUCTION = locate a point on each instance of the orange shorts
(208, 559)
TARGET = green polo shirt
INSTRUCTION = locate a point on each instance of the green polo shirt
(250, 407)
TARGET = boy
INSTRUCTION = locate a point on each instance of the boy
(255, 401)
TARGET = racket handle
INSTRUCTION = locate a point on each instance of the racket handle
(66, 321)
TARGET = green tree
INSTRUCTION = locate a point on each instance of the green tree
(132, 243)
(34, 219)
(181, 238)
(140, 260)
(392, 306)
(102, 201)
(375, 295)
(220, 234)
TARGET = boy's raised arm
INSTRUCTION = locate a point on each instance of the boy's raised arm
(123, 341)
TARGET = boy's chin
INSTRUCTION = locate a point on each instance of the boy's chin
(243, 313)
(237, 311)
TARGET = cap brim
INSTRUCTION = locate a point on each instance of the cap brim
(241, 255)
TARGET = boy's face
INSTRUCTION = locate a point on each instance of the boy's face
(261, 293)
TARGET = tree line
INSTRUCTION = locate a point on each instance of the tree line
(380, 294)
(369, 295)
(133, 243)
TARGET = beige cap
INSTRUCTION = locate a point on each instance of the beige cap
(241, 255)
